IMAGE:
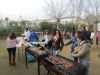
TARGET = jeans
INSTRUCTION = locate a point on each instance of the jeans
(86, 66)
(12, 51)
(56, 52)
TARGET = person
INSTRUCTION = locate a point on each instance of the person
(48, 40)
(11, 48)
(82, 52)
(91, 37)
(98, 37)
(64, 34)
(26, 34)
(86, 34)
(58, 43)
(72, 41)
(33, 36)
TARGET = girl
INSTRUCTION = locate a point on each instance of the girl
(11, 48)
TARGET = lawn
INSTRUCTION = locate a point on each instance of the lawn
(20, 69)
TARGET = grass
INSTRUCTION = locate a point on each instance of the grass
(20, 69)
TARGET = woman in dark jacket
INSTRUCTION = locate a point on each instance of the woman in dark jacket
(57, 42)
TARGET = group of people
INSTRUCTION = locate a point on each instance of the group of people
(80, 49)
(53, 42)
(12, 41)
(30, 35)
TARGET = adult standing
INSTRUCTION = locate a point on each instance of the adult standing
(48, 40)
(57, 42)
(86, 32)
(82, 52)
(11, 48)
(33, 36)
(92, 37)
(74, 43)
(27, 34)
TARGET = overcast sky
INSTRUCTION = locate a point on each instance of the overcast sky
(25, 8)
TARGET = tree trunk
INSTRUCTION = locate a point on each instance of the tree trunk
(95, 34)
(58, 21)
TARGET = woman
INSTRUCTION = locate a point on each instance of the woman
(82, 52)
(48, 40)
(11, 47)
(57, 42)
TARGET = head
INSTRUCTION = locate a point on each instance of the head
(26, 29)
(80, 37)
(75, 35)
(47, 32)
(12, 35)
(57, 32)
(83, 29)
(87, 29)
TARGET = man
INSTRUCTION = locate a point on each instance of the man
(33, 36)
(26, 34)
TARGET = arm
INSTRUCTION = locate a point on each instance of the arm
(81, 51)
(72, 40)
(68, 43)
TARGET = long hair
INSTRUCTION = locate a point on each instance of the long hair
(58, 32)
(12, 35)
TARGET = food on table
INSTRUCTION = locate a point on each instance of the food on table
(59, 61)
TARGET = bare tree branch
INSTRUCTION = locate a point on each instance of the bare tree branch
(56, 8)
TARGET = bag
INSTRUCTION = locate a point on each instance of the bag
(30, 58)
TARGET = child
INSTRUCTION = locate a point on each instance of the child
(11, 48)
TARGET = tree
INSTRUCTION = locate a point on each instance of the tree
(46, 25)
(6, 19)
(56, 9)
(93, 8)
(13, 23)
(88, 8)
(23, 24)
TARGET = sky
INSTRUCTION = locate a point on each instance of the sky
(26, 9)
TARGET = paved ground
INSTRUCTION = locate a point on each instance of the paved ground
(20, 69)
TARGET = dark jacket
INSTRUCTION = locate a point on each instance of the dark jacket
(58, 45)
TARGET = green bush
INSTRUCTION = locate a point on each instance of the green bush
(5, 31)
(46, 25)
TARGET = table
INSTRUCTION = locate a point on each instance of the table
(77, 68)
(51, 67)
(38, 56)
(37, 42)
